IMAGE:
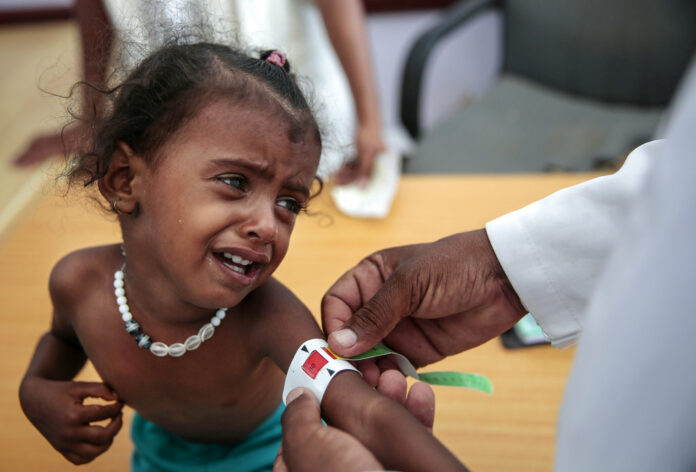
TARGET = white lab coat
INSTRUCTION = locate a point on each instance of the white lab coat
(613, 262)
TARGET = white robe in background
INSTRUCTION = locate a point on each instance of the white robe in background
(294, 27)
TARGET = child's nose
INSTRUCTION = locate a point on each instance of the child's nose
(262, 225)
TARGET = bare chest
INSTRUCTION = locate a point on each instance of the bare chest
(219, 392)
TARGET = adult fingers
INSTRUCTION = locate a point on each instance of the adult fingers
(366, 159)
(392, 384)
(351, 291)
(300, 420)
(346, 174)
(375, 319)
(370, 371)
(302, 411)
(308, 445)
(369, 143)
(421, 403)
(387, 363)
(409, 339)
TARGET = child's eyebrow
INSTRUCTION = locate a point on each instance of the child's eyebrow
(297, 187)
(262, 169)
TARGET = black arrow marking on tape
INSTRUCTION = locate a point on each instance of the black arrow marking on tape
(331, 372)
(304, 348)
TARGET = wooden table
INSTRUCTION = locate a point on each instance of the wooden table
(513, 429)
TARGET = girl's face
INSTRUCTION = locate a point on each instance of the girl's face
(217, 211)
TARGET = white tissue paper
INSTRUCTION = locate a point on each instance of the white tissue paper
(375, 199)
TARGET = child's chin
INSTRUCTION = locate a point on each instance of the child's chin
(233, 299)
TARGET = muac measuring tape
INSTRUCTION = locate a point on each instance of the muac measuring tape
(315, 365)
(447, 378)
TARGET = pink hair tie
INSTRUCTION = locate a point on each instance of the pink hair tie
(277, 58)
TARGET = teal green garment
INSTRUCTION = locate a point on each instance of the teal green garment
(157, 450)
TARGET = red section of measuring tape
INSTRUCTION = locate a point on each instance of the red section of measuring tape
(313, 364)
(329, 353)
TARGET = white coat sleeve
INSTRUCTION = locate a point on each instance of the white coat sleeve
(554, 249)
(630, 403)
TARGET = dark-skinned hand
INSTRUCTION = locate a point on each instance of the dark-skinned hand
(426, 301)
(368, 144)
(58, 410)
(308, 445)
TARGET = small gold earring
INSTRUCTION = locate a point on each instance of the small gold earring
(120, 212)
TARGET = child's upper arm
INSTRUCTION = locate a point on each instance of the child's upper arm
(285, 322)
(65, 287)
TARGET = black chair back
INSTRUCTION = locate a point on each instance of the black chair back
(618, 51)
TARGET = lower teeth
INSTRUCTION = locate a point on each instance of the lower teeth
(235, 268)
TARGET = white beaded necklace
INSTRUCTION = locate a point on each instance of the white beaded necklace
(159, 348)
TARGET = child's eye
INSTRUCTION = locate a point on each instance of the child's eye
(291, 204)
(233, 180)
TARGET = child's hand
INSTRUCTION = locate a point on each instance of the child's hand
(57, 410)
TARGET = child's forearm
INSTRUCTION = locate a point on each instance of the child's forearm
(55, 359)
(54, 403)
(396, 438)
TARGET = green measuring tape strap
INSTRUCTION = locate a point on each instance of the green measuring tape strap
(457, 379)
(448, 378)
(379, 350)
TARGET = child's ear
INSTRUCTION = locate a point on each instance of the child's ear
(121, 184)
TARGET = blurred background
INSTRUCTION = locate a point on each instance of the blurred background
(475, 86)
(492, 103)
(43, 42)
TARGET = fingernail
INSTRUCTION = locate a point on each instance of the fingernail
(345, 338)
(293, 395)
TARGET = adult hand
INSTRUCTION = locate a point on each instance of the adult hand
(309, 445)
(368, 144)
(57, 410)
(427, 301)
(48, 146)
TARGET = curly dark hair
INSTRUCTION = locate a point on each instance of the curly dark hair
(171, 86)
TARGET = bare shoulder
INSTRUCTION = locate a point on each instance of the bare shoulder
(77, 273)
(281, 321)
(275, 299)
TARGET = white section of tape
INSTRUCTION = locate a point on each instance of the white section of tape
(314, 367)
